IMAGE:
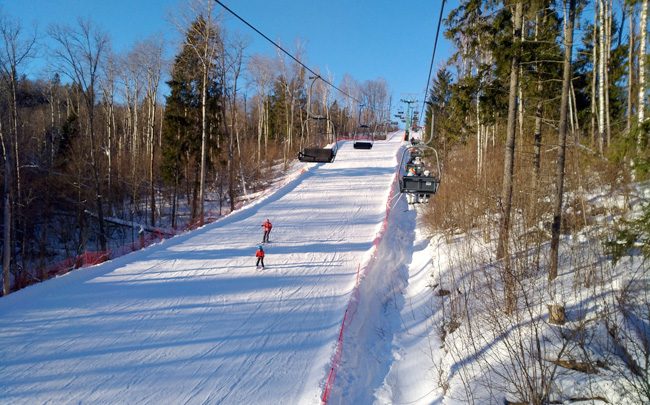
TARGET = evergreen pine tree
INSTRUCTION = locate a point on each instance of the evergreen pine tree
(181, 147)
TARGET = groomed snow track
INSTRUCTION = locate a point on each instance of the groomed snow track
(192, 321)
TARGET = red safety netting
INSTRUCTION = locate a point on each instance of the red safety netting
(84, 259)
(90, 258)
(351, 309)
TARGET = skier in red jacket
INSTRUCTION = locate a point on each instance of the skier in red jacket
(266, 225)
(260, 257)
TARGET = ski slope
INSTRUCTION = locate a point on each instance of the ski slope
(191, 320)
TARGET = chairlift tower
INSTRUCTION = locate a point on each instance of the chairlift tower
(408, 103)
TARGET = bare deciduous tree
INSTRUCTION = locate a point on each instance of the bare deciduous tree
(150, 61)
(235, 62)
(508, 172)
(293, 78)
(108, 84)
(261, 70)
(6, 216)
(562, 133)
(630, 73)
(79, 52)
(642, 59)
(205, 42)
(230, 70)
(15, 49)
(594, 76)
(602, 63)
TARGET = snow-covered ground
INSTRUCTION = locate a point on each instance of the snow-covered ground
(413, 377)
(191, 320)
(356, 301)
(455, 345)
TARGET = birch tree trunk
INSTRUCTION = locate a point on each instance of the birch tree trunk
(641, 105)
(601, 76)
(231, 157)
(151, 117)
(573, 120)
(260, 125)
(608, 47)
(152, 94)
(132, 90)
(236, 62)
(204, 134)
(108, 90)
(479, 147)
(14, 51)
(562, 132)
(266, 127)
(135, 146)
(52, 101)
(508, 172)
(288, 104)
(14, 141)
(6, 216)
(110, 120)
(127, 119)
(537, 132)
(520, 92)
(630, 73)
(594, 76)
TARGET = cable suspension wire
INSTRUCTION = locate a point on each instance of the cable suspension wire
(435, 45)
(284, 51)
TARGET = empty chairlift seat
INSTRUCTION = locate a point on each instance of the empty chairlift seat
(318, 155)
(362, 144)
(364, 138)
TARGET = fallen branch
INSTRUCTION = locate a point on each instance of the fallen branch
(587, 368)
(131, 224)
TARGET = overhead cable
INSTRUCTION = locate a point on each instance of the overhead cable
(435, 45)
(284, 51)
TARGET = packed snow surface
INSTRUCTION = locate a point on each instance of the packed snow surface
(357, 304)
(191, 320)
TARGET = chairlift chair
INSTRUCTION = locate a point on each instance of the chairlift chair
(319, 154)
(364, 139)
(418, 184)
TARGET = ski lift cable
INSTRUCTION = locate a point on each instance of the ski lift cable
(284, 51)
(435, 45)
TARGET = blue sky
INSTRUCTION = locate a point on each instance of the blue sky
(368, 39)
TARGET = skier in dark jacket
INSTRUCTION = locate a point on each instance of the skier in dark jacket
(260, 256)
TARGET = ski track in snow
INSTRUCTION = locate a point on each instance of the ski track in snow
(191, 321)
